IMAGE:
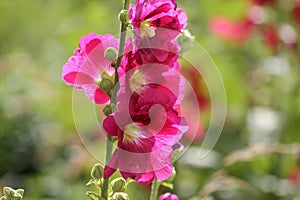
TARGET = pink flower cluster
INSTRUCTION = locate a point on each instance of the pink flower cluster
(256, 22)
(147, 123)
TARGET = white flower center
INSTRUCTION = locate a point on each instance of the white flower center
(146, 29)
(137, 81)
(131, 132)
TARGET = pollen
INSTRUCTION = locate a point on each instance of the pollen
(137, 81)
(131, 132)
(146, 29)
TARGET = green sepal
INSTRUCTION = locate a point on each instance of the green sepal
(118, 185)
(97, 171)
(168, 185)
(93, 196)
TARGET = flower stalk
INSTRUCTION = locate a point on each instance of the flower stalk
(109, 142)
(154, 189)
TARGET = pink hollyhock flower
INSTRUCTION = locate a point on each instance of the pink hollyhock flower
(85, 68)
(168, 196)
(146, 124)
(148, 15)
(156, 50)
(237, 32)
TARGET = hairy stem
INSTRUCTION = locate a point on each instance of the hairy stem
(109, 142)
(154, 189)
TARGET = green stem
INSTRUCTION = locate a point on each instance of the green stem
(108, 154)
(123, 32)
(109, 140)
(154, 189)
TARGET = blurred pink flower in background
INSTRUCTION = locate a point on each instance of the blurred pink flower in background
(199, 88)
(237, 32)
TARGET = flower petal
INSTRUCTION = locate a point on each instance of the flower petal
(110, 126)
(164, 173)
(95, 94)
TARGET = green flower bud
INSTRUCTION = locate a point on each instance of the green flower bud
(97, 171)
(120, 196)
(177, 152)
(3, 198)
(111, 54)
(107, 110)
(185, 41)
(124, 17)
(118, 185)
(106, 85)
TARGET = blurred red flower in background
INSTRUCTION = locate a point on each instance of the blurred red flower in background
(296, 11)
(263, 2)
(294, 176)
(271, 38)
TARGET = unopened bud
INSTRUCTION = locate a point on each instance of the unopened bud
(111, 54)
(118, 185)
(178, 151)
(124, 17)
(106, 85)
(120, 196)
(185, 41)
(107, 110)
(97, 171)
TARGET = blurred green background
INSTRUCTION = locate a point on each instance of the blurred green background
(255, 158)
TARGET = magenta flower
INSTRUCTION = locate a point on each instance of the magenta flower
(147, 124)
(148, 15)
(156, 50)
(85, 68)
(168, 196)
